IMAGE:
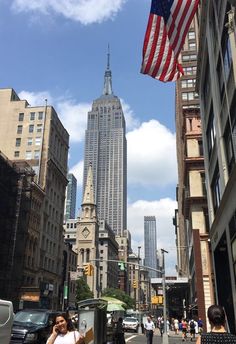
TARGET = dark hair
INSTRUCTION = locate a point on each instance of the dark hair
(64, 315)
(216, 315)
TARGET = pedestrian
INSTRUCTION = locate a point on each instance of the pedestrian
(149, 329)
(176, 326)
(120, 338)
(184, 329)
(218, 334)
(200, 325)
(161, 328)
(63, 331)
(192, 326)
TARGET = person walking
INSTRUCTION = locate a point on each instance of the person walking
(218, 334)
(63, 331)
(149, 329)
(120, 338)
(176, 326)
(184, 329)
(192, 332)
(200, 326)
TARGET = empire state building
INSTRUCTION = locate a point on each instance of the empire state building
(106, 151)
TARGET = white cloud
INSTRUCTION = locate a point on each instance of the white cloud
(151, 150)
(130, 120)
(164, 210)
(36, 98)
(83, 11)
(73, 115)
(74, 118)
(77, 171)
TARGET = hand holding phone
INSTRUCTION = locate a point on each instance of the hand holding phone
(55, 329)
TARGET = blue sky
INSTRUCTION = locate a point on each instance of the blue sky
(56, 49)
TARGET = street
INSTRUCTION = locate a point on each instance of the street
(141, 338)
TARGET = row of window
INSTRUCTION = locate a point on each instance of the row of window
(189, 96)
(39, 128)
(28, 154)
(30, 140)
(32, 116)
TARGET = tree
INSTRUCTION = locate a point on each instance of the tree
(120, 295)
(82, 290)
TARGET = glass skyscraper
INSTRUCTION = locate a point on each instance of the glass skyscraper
(106, 151)
(70, 203)
(150, 244)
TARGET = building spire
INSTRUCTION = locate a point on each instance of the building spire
(107, 89)
(88, 191)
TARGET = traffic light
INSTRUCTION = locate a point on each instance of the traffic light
(121, 266)
(134, 284)
(88, 269)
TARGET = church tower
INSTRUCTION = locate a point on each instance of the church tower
(87, 233)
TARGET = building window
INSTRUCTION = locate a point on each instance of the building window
(32, 116)
(36, 154)
(31, 128)
(192, 46)
(191, 35)
(211, 133)
(39, 128)
(227, 58)
(21, 117)
(29, 141)
(216, 190)
(188, 96)
(18, 142)
(190, 70)
(19, 129)
(40, 115)
(16, 154)
(187, 83)
(37, 141)
(28, 155)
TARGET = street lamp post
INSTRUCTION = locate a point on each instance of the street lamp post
(139, 291)
(165, 336)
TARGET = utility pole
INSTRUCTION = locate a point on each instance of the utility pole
(165, 339)
(139, 291)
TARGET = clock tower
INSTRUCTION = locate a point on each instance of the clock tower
(87, 233)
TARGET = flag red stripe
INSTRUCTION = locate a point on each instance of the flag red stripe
(147, 35)
(160, 54)
(154, 44)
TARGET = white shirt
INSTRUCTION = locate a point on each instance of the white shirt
(149, 325)
(68, 338)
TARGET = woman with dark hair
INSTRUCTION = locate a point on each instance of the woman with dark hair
(218, 334)
(63, 331)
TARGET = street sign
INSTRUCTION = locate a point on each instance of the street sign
(74, 275)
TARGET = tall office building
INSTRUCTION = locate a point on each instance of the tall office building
(70, 203)
(36, 134)
(150, 244)
(192, 228)
(217, 90)
(105, 150)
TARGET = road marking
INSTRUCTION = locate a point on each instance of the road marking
(128, 339)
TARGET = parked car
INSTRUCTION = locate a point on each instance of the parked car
(6, 320)
(32, 326)
(130, 323)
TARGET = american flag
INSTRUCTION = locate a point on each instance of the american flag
(167, 28)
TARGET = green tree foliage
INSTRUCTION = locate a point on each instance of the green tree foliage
(120, 295)
(82, 290)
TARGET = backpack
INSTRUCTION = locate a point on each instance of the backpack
(192, 325)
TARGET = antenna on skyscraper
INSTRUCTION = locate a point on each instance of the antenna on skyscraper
(108, 57)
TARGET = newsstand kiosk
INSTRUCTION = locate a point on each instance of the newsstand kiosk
(92, 320)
